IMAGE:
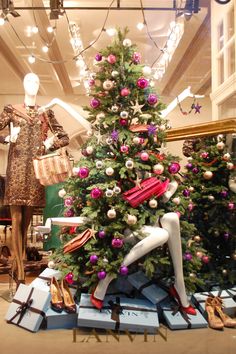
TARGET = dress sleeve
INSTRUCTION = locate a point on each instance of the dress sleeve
(5, 117)
(61, 137)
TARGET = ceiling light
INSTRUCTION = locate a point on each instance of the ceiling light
(34, 29)
(31, 59)
(140, 26)
(50, 29)
(45, 48)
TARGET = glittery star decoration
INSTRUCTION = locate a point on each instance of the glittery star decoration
(115, 135)
(163, 150)
(197, 108)
(98, 136)
(136, 107)
(138, 181)
(152, 129)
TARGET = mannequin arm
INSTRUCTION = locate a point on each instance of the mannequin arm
(61, 221)
(67, 108)
(172, 187)
(186, 93)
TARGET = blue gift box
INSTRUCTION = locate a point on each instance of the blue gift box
(42, 282)
(228, 297)
(28, 307)
(152, 292)
(180, 320)
(63, 320)
(119, 313)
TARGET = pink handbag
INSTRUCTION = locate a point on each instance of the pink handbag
(150, 187)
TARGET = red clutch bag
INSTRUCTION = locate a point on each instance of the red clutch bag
(78, 241)
(148, 188)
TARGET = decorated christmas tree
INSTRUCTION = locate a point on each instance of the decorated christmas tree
(206, 194)
(124, 150)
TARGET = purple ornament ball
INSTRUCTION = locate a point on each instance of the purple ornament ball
(174, 168)
(96, 193)
(188, 256)
(95, 103)
(186, 193)
(101, 234)
(152, 99)
(142, 83)
(69, 213)
(83, 172)
(102, 274)
(189, 166)
(98, 57)
(117, 242)
(195, 170)
(224, 194)
(124, 270)
(69, 278)
(226, 236)
(93, 259)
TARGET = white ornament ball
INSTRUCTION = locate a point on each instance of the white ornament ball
(129, 164)
(109, 193)
(89, 133)
(51, 264)
(114, 73)
(211, 198)
(158, 169)
(220, 145)
(208, 175)
(124, 114)
(117, 190)
(176, 200)
(115, 108)
(62, 193)
(147, 71)
(191, 189)
(162, 127)
(111, 213)
(227, 157)
(131, 219)
(153, 203)
(108, 85)
(89, 150)
(100, 115)
(136, 140)
(75, 171)
(99, 164)
(230, 165)
(127, 42)
(109, 141)
(109, 171)
(189, 159)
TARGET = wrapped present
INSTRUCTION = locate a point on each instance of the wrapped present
(28, 307)
(63, 320)
(228, 297)
(119, 313)
(150, 290)
(178, 319)
(43, 280)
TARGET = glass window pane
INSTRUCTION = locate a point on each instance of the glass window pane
(231, 58)
(220, 36)
(221, 70)
(231, 24)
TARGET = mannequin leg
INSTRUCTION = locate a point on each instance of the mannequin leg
(27, 212)
(170, 222)
(60, 221)
(16, 215)
(156, 237)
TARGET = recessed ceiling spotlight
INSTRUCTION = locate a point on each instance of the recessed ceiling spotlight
(50, 29)
(140, 26)
(31, 59)
(45, 48)
(34, 29)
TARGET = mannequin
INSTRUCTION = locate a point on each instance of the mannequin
(28, 138)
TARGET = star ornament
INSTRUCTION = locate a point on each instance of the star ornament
(197, 108)
(136, 107)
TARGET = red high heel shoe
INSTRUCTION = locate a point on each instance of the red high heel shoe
(96, 302)
(189, 310)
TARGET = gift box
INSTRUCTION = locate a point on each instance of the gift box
(178, 319)
(151, 291)
(28, 307)
(63, 320)
(119, 313)
(42, 282)
(228, 297)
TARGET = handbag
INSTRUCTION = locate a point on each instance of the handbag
(78, 241)
(149, 187)
(52, 168)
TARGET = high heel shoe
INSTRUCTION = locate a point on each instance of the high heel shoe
(189, 309)
(217, 302)
(69, 303)
(213, 321)
(96, 302)
(56, 301)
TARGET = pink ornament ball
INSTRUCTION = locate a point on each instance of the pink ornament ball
(205, 259)
(142, 83)
(152, 99)
(83, 172)
(68, 201)
(111, 59)
(124, 149)
(125, 92)
(178, 214)
(123, 122)
(174, 168)
(144, 156)
(204, 155)
(91, 82)
(95, 103)
(96, 193)
(136, 58)
(69, 278)
(101, 275)
(231, 206)
(117, 242)
(69, 213)
(123, 270)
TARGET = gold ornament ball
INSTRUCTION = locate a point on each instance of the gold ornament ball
(108, 85)
(208, 175)
(89, 150)
(199, 254)
(230, 166)
(191, 189)
(131, 219)
(153, 203)
(158, 169)
(224, 272)
(192, 275)
(111, 213)
(197, 238)
(109, 171)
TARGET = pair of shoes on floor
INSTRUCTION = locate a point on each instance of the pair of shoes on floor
(217, 319)
(189, 309)
(61, 297)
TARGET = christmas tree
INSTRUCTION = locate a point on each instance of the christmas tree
(123, 150)
(205, 192)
